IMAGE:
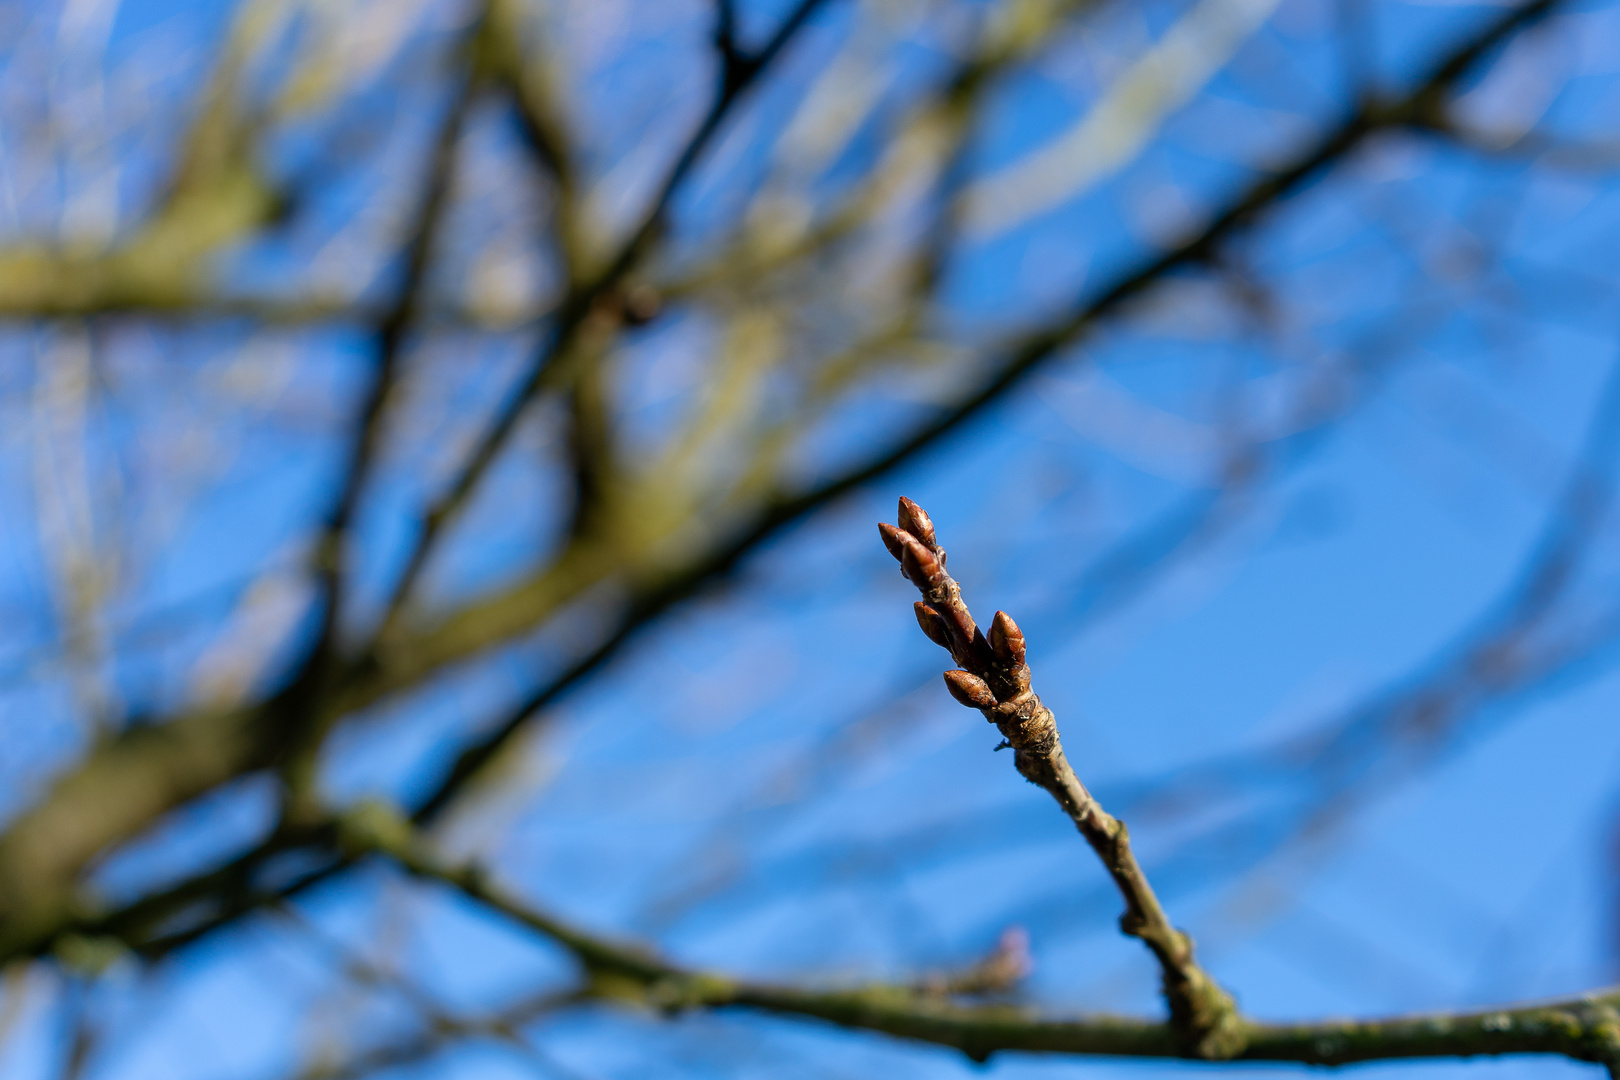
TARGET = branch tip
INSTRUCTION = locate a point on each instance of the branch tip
(995, 679)
(1006, 640)
(891, 538)
(915, 520)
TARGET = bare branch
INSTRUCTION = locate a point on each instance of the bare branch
(996, 681)
(127, 782)
(597, 294)
(1584, 1028)
(299, 699)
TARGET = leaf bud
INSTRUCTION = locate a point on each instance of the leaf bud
(919, 563)
(1006, 640)
(969, 689)
(891, 538)
(915, 520)
(933, 624)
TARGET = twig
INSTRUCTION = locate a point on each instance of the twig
(596, 295)
(996, 680)
(300, 700)
(442, 1025)
(126, 783)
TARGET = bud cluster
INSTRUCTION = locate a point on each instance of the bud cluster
(994, 677)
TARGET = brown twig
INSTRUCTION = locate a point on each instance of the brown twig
(995, 679)
(596, 294)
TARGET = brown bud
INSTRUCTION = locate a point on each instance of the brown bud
(919, 563)
(1006, 640)
(933, 624)
(969, 689)
(891, 538)
(915, 520)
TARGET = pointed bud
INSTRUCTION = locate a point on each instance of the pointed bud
(1006, 640)
(969, 689)
(933, 625)
(915, 520)
(919, 563)
(891, 538)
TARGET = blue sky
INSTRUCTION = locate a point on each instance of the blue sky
(1253, 523)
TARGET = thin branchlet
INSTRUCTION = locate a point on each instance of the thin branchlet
(994, 678)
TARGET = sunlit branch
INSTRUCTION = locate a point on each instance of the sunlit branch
(594, 295)
(1584, 1028)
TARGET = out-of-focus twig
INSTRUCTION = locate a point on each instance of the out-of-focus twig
(596, 295)
(300, 699)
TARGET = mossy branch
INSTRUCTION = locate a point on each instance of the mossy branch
(1583, 1028)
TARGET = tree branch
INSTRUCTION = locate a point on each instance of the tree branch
(595, 295)
(1584, 1028)
(300, 699)
(129, 781)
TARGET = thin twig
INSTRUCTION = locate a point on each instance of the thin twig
(996, 680)
(597, 295)
(300, 699)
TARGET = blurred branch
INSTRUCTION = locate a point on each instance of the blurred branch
(147, 769)
(1516, 646)
(1584, 1028)
(591, 449)
(216, 194)
(1020, 359)
(83, 566)
(594, 294)
(442, 1026)
(1553, 151)
(124, 784)
(935, 129)
(445, 1030)
(544, 127)
(1114, 130)
(299, 701)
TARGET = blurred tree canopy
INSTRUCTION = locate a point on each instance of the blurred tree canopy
(445, 630)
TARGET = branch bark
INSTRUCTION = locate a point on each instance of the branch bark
(1583, 1028)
